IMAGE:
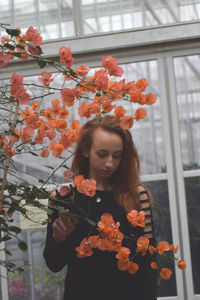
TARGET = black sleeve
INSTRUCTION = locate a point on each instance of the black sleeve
(56, 254)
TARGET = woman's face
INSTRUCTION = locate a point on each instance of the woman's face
(105, 155)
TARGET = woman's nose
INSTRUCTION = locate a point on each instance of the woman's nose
(109, 162)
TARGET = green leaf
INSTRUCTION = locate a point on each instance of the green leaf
(15, 229)
(16, 54)
(9, 46)
(74, 219)
(20, 47)
(23, 246)
(7, 251)
(42, 63)
(33, 153)
(49, 167)
(13, 32)
(66, 167)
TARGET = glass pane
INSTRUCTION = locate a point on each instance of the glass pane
(112, 15)
(192, 187)
(162, 229)
(147, 133)
(188, 98)
(53, 19)
(5, 13)
(36, 282)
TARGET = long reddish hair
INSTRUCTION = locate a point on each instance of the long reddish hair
(126, 177)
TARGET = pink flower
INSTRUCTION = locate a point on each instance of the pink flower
(46, 78)
(4, 59)
(68, 96)
(66, 56)
(64, 190)
(68, 175)
(110, 64)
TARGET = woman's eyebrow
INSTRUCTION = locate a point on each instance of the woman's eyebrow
(104, 150)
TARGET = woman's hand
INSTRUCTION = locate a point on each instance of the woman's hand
(62, 227)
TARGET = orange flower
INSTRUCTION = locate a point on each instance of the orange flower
(115, 90)
(75, 125)
(162, 247)
(39, 139)
(68, 96)
(26, 134)
(135, 96)
(85, 249)
(123, 254)
(32, 36)
(110, 64)
(21, 95)
(48, 114)
(95, 109)
(148, 99)
(140, 114)
(26, 113)
(165, 273)
(107, 106)
(152, 250)
(11, 151)
(55, 106)
(173, 249)
(101, 80)
(119, 112)
(133, 268)
(46, 78)
(87, 187)
(136, 218)
(14, 137)
(141, 85)
(78, 179)
(35, 105)
(126, 122)
(82, 70)
(66, 56)
(44, 153)
(105, 222)
(63, 114)
(84, 110)
(142, 245)
(181, 264)
(58, 150)
(154, 265)
(61, 124)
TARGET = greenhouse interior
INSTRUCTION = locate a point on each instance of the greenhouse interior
(153, 39)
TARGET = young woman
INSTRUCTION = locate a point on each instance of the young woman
(106, 153)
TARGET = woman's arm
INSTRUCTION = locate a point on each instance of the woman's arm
(59, 238)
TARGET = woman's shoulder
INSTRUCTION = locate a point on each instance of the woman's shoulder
(146, 200)
(144, 193)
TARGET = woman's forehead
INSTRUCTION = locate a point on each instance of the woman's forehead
(106, 139)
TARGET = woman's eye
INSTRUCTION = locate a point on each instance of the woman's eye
(101, 155)
(117, 156)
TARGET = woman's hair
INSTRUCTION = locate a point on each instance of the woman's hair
(126, 177)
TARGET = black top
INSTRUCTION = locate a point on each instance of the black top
(97, 277)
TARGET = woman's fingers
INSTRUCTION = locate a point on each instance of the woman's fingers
(62, 226)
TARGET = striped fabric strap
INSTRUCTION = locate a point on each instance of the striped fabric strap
(144, 196)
